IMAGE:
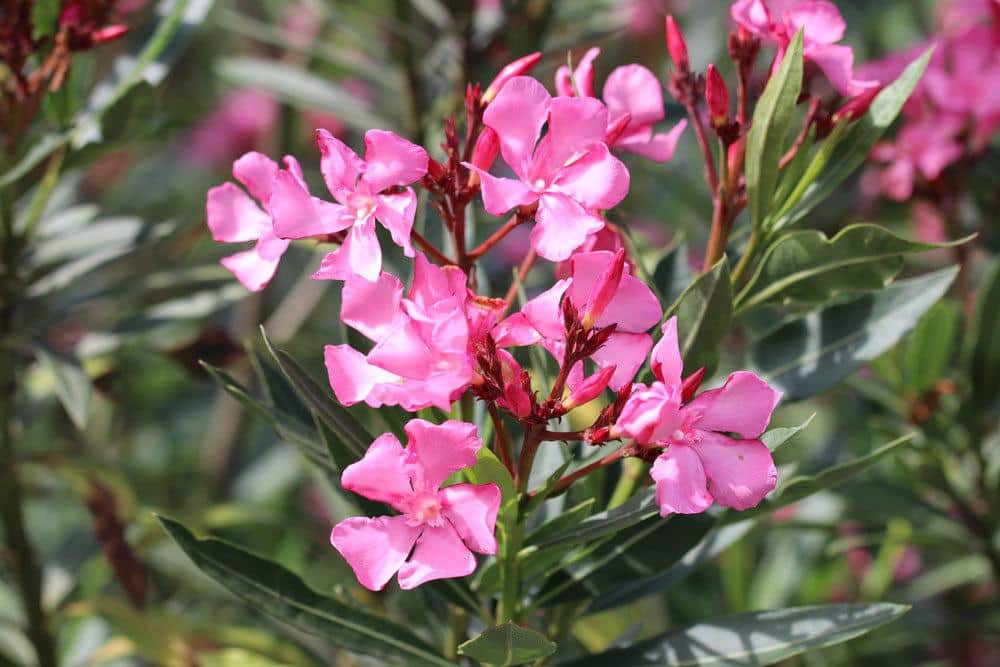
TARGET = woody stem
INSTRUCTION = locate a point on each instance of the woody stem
(512, 223)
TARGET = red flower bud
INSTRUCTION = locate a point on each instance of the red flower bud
(486, 150)
(676, 45)
(589, 389)
(604, 290)
(857, 106)
(691, 383)
(108, 33)
(717, 96)
(616, 128)
(434, 169)
(517, 68)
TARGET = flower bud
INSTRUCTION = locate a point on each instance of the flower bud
(108, 34)
(517, 68)
(486, 150)
(691, 383)
(616, 128)
(676, 45)
(857, 106)
(604, 290)
(717, 97)
(516, 396)
(589, 389)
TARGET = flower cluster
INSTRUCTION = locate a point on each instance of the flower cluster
(439, 341)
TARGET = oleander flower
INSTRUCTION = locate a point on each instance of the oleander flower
(700, 463)
(437, 529)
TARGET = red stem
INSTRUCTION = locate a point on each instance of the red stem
(438, 256)
(512, 223)
(566, 481)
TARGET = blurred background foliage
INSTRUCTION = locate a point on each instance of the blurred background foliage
(118, 420)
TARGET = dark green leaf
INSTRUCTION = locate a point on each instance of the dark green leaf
(812, 353)
(506, 645)
(756, 638)
(271, 589)
(639, 507)
(807, 267)
(703, 314)
(772, 119)
(673, 273)
(44, 15)
(72, 385)
(984, 364)
(929, 350)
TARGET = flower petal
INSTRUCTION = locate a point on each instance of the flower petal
(372, 308)
(634, 90)
(821, 20)
(256, 172)
(438, 450)
(396, 213)
(251, 268)
(364, 254)
(659, 148)
(352, 378)
(233, 216)
(562, 226)
(298, 215)
(502, 194)
(339, 164)
(374, 548)
(634, 307)
(681, 485)
(382, 474)
(666, 362)
(542, 312)
(391, 160)
(472, 510)
(597, 180)
(514, 331)
(651, 413)
(740, 472)
(742, 405)
(626, 351)
(439, 554)
(517, 116)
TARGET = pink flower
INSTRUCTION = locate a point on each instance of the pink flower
(632, 91)
(234, 217)
(777, 21)
(239, 124)
(569, 173)
(422, 352)
(699, 463)
(631, 307)
(922, 149)
(365, 190)
(441, 527)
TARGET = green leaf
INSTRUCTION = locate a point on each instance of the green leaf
(810, 354)
(638, 508)
(351, 433)
(836, 160)
(777, 437)
(756, 638)
(561, 522)
(929, 350)
(673, 273)
(984, 357)
(72, 384)
(507, 644)
(271, 589)
(807, 267)
(44, 15)
(772, 119)
(703, 314)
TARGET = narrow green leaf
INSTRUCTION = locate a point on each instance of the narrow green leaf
(703, 314)
(561, 522)
(808, 267)
(506, 645)
(984, 357)
(772, 119)
(929, 350)
(44, 15)
(639, 507)
(271, 589)
(756, 638)
(72, 384)
(777, 437)
(812, 353)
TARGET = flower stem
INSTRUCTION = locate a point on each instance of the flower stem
(431, 250)
(512, 223)
(744, 263)
(565, 482)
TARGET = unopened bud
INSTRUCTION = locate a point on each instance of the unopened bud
(616, 128)
(604, 290)
(676, 46)
(434, 169)
(486, 150)
(857, 106)
(691, 383)
(589, 389)
(516, 396)
(517, 68)
(717, 97)
(108, 34)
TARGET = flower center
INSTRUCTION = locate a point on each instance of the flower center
(539, 184)
(362, 205)
(426, 509)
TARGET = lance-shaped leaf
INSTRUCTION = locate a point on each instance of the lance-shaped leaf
(772, 119)
(703, 312)
(810, 354)
(273, 590)
(929, 350)
(506, 645)
(639, 507)
(72, 385)
(807, 267)
(757, 638)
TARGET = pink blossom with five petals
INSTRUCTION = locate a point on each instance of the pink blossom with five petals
(437, 529)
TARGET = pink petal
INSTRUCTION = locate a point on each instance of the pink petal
(374, 548)
(626, 351)
(822, 21)
(514, 331)
(391, 160)
(837, 63)
(633, 89)
(543, 312)
(517, 116)
(234, 217)
(651, 413)
(752, 15)
(351, 377)
(634, 307)
(472, 510)
(339, 164)
(740, 472)
(681, 484)
(743, 405)
(583, 74)
(563, 82)
(666, 361)
(256, 172)
(396, 213)
(597, 180)
(404, 352)
(433, 284)
(298, 215)
(659, 148)
(576, 124)
(364, 255)
(438, 450)
(562, 226)
(251, 269)
(371, 308)
(439, 554)
(381, 474)
(502, 194)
